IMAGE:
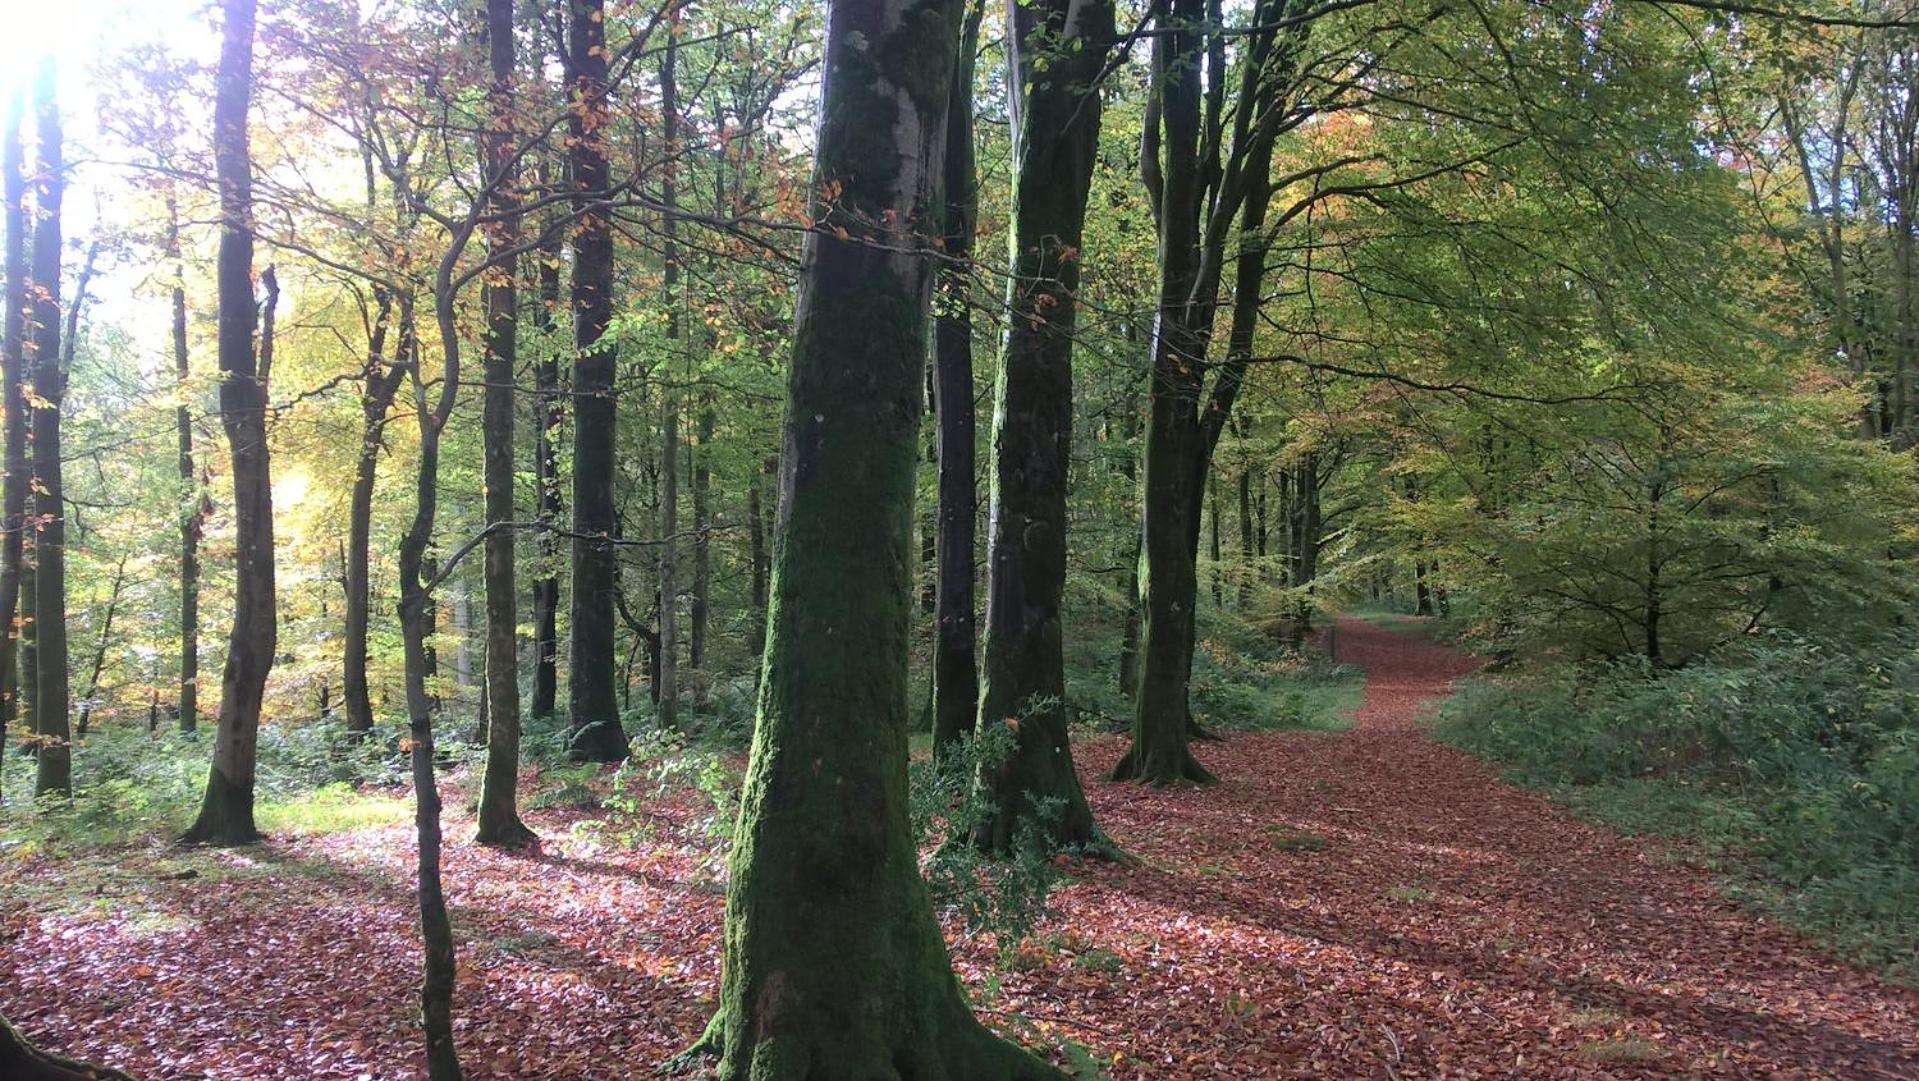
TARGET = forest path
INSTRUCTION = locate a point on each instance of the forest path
(1371, 904)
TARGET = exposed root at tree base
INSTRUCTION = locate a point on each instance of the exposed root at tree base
(1161, 770)
(967, 1051)
(512, 836)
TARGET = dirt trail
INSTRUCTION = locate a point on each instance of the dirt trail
(1451, 925)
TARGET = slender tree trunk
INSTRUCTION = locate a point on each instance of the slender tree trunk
(12, 376)
(834, 964)
(1023, 654)
(668, 671)
(51, 697)
(593, 696)
(380, 382)
(756, 528)
(194, 504)
(668, 677)
(551, 406)
(1213, 550)
(1129, 468)
(226, 815)
(417, 613)
(499, 812)
(101, 646)
(696, 643)
(1246, 563)
(955, 663)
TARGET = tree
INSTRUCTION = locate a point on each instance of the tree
(1057, 53)
(52, 724)
(12, 367)
(834, 964)
(594, 705)
(226, 814)
(955, 661)
(499, 816)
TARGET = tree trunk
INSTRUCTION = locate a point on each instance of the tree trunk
(226, 815)
(593, 698)
(499, 812)
(13, 502)
(1024, 660)
(417, 612)
(955, 663)
(20, 1060)
(834, 964)
(381, 383)
(100, 647)
(1174, 441)
(551, 406)
(756, 528)
(699, 616)
(668, 671)
(194, 504)
(51, 694)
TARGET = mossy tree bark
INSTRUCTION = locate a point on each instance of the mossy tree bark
(834, 964)
(592, 697)
(1172, 488)
(499, 813)
(955, 659)
(52, 727)
(1202, 200)
(226, 814)
(1058, 51)
(13, 501)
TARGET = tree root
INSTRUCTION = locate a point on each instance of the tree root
(21, 1061)
(1161, 770)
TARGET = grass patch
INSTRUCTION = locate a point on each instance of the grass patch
(332, 809)
(1409, 893)
(1622, 1049)
(1289, 839)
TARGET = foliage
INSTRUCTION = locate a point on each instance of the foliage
(1004, 899)
(1794, 762)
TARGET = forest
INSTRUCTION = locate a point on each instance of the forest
(926, 540)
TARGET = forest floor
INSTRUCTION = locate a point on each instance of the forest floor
(1362, 904)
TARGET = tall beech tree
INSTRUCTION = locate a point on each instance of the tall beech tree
(499, 816)
(591, 689)
(834, 964)
(1057, 51)
(1209, 184)
(226, 814)
(13, 494)
(550, 413)
(955, 656)
(52, 724)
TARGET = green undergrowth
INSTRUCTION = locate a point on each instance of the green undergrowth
(1249, 682)
(1788, 767)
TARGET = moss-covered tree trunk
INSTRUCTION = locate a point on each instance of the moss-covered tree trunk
(1172, 487)
(592, 673)
(955, 657)
(226, 814)
(52, 727)
(13, 498)
(834, 965)
(1059, 49)
(499, 813)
